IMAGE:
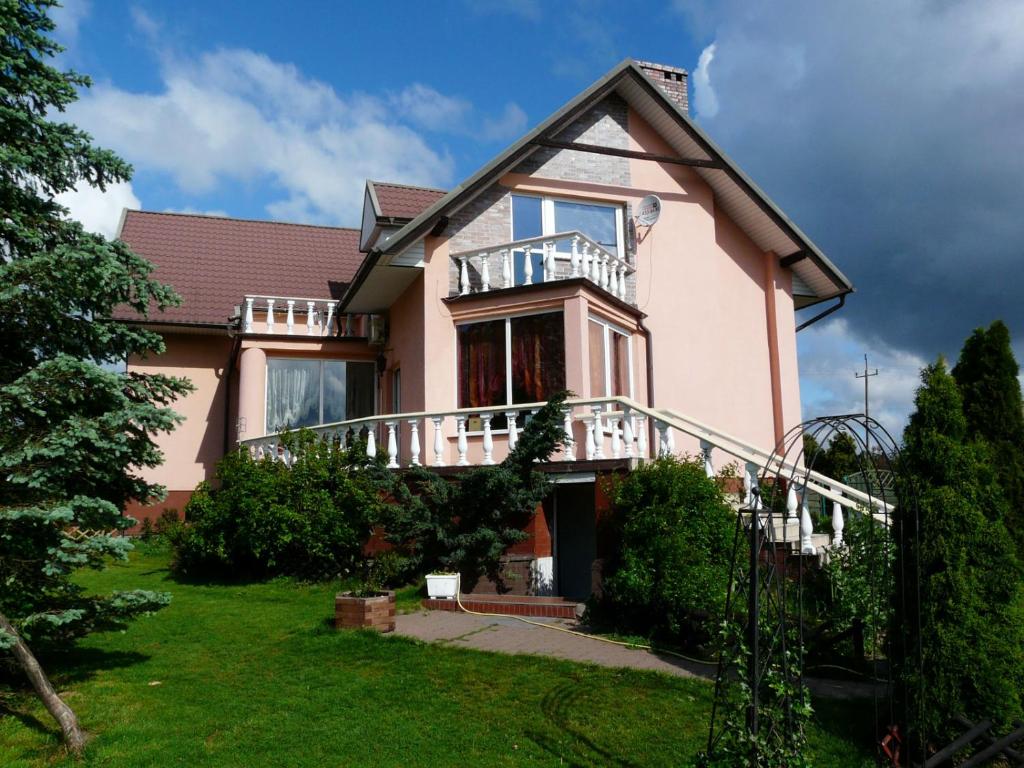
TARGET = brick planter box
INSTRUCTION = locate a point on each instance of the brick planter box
(376, 612)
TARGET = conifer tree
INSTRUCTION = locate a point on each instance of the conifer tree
(73, 433)
(971, 607)
(987, 377)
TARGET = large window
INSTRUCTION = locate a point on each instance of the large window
(611, 360)
(511, 360)
(535, 216)
(304, 393)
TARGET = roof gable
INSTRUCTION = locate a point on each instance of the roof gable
(738, 196)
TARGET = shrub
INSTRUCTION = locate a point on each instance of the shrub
(309, 520)
(671, 572)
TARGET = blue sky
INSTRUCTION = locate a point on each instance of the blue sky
(889, 130)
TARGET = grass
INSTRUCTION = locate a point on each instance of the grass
(253, 675)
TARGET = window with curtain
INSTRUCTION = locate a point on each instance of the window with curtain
(304, 393)
(512, 360)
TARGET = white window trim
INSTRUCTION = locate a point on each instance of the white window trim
(321, 361)
(608, 327)
(507, 318)
(547, 218)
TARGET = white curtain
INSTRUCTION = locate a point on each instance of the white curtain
(293, 393)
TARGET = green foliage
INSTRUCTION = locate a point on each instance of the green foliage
(986, 375)
(265, 518)
(465, 526)
(839, 459)
(73, 435)
(670, 575)
(971, 607)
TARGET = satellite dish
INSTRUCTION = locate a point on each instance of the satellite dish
(648, 211)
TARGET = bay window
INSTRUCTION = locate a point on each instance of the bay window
(533, 216)
(303, 393)
(511, 360)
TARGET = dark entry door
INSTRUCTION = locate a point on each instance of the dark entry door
(575, 539)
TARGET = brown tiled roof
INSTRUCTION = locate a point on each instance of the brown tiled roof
(400, 201)
(212, 262)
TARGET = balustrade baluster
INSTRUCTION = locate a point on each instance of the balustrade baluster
(247, 327)
(604, 272)
(574, 258)
(414, 442)
(528, 265)
(549, 261)
(751, 500)
(371, 442)
(598, 432)
(806, 525)
(791, 506)
(595, 267)
(641, 437)
(463, 445)
(670, 440)
(662, 428)
(438, 440)
(485, 272)
(488, 438)
(392, 444)
(705, 451)
(513, 431)
(270, 315)
(330, 316)
(309, 318)
(569, 444)
(585, 271)
(591, 444)
(463, 276)
(506, 269)
(620, 290)
(837, 524)
(290, 320)
(628, 432)
(613, 424)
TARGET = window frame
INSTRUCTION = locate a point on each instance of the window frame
(547, 217)
(321, 361)
(609, 327)
(507, 319)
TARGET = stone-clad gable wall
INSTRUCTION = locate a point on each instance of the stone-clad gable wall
(488, 219)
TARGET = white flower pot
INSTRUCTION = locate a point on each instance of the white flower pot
(442, 585)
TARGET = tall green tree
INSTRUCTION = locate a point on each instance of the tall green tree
(969, 620)
(987, 377)
(73, 433)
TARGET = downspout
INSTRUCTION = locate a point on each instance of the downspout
(823, 315)
(649, 359)
(228, 371)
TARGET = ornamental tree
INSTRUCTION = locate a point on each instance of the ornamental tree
(958, 638)
(74, 434)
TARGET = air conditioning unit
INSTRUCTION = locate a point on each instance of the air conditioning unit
(378, 329)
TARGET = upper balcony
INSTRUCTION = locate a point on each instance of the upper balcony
(293, 316)
(544, 259)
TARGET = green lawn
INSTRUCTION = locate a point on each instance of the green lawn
(252, 675)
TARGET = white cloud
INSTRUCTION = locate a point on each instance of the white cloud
(704, 98)
(68, 16)
(422, 105)
(509, 124)
(239, 116)
(831, 353)
(99, 212)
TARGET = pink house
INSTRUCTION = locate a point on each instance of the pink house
(614, 251)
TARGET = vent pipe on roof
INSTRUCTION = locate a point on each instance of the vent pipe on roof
(672, 80)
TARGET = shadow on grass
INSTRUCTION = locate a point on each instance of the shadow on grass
(78, 664)
(558, 705)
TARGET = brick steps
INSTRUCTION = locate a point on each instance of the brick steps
(539, 607)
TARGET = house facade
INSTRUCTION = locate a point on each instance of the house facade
(613, 251)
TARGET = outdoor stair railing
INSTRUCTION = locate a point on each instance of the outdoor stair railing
(587, 259)
(613, 428)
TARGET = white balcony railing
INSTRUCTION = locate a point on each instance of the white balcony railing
(299, 317)
(595, 428)
(495, 266)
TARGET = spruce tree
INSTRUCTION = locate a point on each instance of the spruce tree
(971, 607)
(73, 433)
(987, 377)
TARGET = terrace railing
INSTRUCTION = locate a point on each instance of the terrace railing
(595, 429)
(293, 316)
(495, 266)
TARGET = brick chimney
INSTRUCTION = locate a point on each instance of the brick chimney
(672, 80)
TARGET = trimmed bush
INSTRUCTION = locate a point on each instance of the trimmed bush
(670, 575)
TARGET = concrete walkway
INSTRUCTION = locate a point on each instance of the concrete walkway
(502, 634)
